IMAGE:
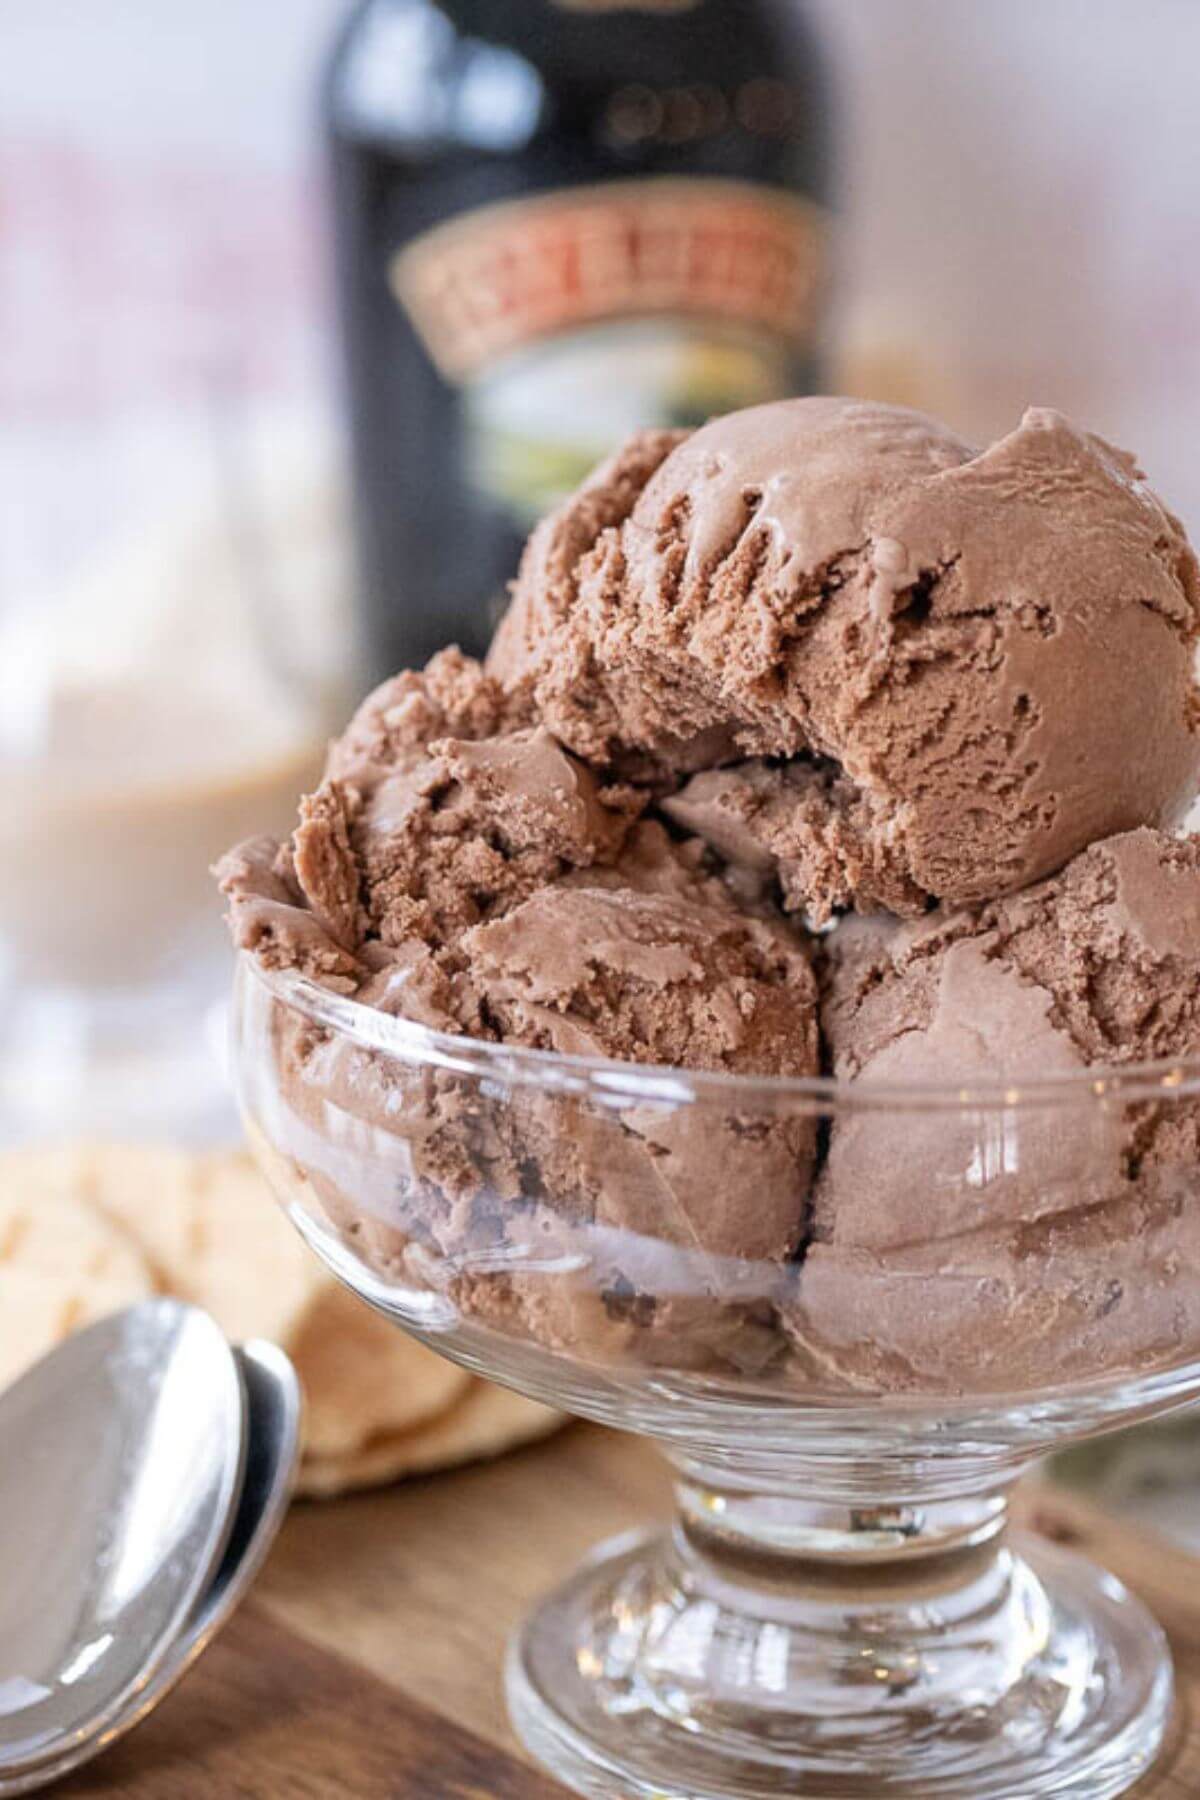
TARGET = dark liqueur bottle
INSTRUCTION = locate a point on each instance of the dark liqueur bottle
(556, 221)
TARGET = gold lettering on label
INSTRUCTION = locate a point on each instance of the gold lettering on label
(490, 281)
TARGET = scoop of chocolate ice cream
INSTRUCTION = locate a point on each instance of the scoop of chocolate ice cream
(1014, 1309)
(671, 1208)
(436, 844)
(1050, 1237)
(419, 837)
(608, 1225)
(983, 661)
(608, 971)
(305, 905)
(491, 885)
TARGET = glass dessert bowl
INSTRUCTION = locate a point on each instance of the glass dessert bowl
(839, 1608)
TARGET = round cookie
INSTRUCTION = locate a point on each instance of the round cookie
(205, 1229)
(485, 1423)
(62, 1266)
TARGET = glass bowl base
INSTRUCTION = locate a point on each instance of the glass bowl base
(654, 1673)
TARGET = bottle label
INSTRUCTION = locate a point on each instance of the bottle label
(571, 318)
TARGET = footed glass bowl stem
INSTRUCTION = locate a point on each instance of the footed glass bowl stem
(769, 1644)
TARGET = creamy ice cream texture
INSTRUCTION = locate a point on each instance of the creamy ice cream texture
(964, 668)
(1083, 1248)
(494, 885)
(815, 657)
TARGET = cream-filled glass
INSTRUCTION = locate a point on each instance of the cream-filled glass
(157, 697)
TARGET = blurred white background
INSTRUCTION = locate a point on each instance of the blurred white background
(1024, 211)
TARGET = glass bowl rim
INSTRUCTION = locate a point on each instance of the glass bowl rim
(609, 1080)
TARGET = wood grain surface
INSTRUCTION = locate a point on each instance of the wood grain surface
(367, 1664)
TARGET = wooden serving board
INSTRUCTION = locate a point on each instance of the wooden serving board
(367, 1662)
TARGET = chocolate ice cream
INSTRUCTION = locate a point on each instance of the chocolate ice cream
(1048, 1237)
(494, 887)
(814, 658)
(981, 662)
(416, 834)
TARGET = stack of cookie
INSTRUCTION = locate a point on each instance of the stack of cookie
(87, 1229)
